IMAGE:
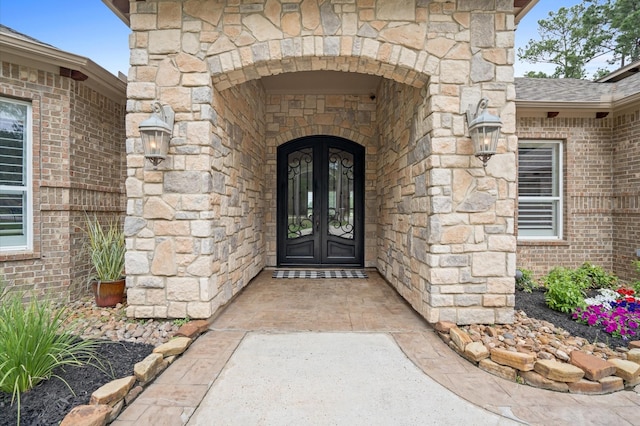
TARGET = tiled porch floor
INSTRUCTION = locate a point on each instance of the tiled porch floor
(357, 305)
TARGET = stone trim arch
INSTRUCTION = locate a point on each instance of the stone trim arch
(386, 60)
(315, 129)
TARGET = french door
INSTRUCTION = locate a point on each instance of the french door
(320, 202)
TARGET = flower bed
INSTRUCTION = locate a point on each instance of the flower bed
(616, 312)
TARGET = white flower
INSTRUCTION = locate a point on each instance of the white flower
(605, 298)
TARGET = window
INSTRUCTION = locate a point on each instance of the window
(15, 175)
(540, 190)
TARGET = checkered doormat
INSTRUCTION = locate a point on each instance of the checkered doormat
(319, 274)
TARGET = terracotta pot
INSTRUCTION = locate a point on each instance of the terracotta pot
(108, 293)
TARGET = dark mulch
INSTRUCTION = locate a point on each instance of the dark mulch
(535, 307)
(50, 401)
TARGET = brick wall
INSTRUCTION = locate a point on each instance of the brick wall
(74, 128)
(626, 192)
(588, 185)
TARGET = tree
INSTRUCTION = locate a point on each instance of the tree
(570, 38)
(623, 17)
(536, 74)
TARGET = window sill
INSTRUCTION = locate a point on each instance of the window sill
(8, 256)
(551, 243)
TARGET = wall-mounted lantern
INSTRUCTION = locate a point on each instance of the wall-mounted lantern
(484, 130)
(156, 133)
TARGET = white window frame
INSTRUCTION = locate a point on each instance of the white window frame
(23, 243)
(558, 177)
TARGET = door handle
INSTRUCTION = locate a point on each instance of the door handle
(317, 226)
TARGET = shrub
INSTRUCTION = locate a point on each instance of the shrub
(525, 281)
(565, 290)
(636, 284)
(596, 276)
(33, 343)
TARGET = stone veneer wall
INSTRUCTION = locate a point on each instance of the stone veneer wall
(626, 192)
(78, 166)
(188, 53)
(353, 117)
(588, 185)
(402, 192)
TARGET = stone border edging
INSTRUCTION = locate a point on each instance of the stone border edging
(108, 401)
(582, 374)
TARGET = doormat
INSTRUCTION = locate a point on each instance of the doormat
(319, 274)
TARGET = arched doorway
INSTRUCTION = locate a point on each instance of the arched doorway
(321, 202)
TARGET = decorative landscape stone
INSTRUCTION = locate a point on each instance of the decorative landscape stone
(112, 391)
(87, 415)
(564, 363)
(148, 367)
(611, 384)
(558, 371)
(538, 380)
(517, 360)
(594, 368)
(476, 351)
(499, 370)
(584, 386)
(460, 338)
(174, 346)
(634, 355)
(628, 370)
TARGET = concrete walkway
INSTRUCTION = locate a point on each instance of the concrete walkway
(345, 352)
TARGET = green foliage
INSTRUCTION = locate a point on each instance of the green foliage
(536, 74)
(106, 246)
(636, 284)
(33, 342)
(565, 289)
(181, 321)
(568, 39)
(623, 18)
(596, 276)
(526, 282)
(572, 37)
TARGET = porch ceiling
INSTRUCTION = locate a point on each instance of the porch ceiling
(322, 82)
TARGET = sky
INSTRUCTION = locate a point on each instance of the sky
(88, 28)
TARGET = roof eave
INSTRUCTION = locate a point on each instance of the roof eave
(108, 83)
(582, 107)
(524, 10)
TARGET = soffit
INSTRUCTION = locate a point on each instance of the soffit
(321, 82)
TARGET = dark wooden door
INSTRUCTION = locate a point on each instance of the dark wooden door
(321, 202)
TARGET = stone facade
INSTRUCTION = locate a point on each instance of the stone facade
(78, 166)
(439, 226)
(601, 195)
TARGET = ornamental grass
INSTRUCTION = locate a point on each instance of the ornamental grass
(33, 343)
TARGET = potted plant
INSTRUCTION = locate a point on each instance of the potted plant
(106, 249)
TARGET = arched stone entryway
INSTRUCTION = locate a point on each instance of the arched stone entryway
(439, 227)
